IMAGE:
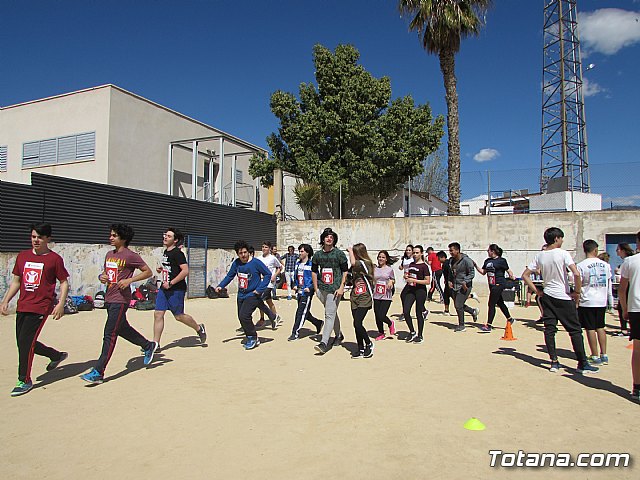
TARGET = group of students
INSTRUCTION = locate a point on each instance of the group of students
(324, 273)
(37, 271)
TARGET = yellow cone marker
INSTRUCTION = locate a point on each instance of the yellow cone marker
(474, 424)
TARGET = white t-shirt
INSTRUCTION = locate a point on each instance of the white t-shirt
(630, 270)
(596, 282)
(552, 265)
(272, 264)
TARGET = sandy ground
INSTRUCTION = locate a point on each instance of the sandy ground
(281, 411)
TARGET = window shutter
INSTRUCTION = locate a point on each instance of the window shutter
(3, 158)
(31, 154)
(66, 149)
(85, 145)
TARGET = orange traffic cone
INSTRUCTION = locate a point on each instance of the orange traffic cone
(508, 333)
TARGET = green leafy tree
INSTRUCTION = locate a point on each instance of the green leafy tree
(441, 25)
(347, 132)
(308, 196)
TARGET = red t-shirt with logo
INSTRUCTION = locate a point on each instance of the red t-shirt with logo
(120, 266)
(432, 258)
(38, 275)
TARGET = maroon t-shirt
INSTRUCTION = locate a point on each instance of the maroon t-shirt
(419, 271)
(38, 275)
(120, 266)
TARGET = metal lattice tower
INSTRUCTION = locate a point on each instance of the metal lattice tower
(564, 132)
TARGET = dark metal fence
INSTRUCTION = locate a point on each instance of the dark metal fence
(81, 212)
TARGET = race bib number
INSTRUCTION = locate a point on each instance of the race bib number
(381, 288)
(112, 272)
(491, 277)
(327, 276)
(413, 275)
(360, 289)
(301, 280)
(165, 274)
(32, 275)
(243, 281)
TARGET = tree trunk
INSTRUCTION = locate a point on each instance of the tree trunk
(448, 68)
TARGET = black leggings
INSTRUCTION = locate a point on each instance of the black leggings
(361, 333)
(409, 297)
(381, 309)
(495, 298)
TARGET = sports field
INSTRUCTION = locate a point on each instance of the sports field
(283, 412)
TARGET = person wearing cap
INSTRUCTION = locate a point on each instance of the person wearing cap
(329, 273)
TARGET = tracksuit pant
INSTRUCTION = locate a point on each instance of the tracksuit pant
(563, 311)
(117, 326)
(459, 299)
(304, 313)
(435, 285)
(409, 297)
(331, 319)
(246, 307)
(28, 327)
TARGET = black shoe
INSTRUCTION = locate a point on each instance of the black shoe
(635, 394)
(460, 328)
(292, 337)
(412, 336)
(321, 348)
(202, 333)
(338, 340)
(368, 351)
(54, 363)
(418, 339)
(357, 354)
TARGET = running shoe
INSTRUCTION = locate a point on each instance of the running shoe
(382, 336)
(289, 297)
(635, 395)
(321, 348)
(368, 351)
(555, 366)
(357, 354)
(460, 328)
(486, 328)
(587, 369)
(594, 360)
(392, 327)
(148, 353)
(618, 334)
(338, 340)
(21, 388)
(412, 336)
(604, 359)
(276, 322)
(418, 339)
(425, 314)
(512, 320)
(202, 333)
(475, 314)
(292, 337)
(53, 364)
(251, 343)
(92, 377)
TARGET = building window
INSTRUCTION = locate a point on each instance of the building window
(3, 158)
(238, 176)
(53, 151)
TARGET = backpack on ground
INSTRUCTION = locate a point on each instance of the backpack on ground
(98, 300)
(211, 292)
(70, 307)
(145, 305)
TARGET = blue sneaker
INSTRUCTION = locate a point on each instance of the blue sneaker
(251, 343)
(587, 369)
(92, 377)
(148, 353)
(21, 388)
(604, 359)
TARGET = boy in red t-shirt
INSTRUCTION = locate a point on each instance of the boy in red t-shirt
(120, 265)
(436, 268)
(34, 275)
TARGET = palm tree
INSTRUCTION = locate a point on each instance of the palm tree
(442, 24)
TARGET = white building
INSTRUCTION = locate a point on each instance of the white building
(109, 135)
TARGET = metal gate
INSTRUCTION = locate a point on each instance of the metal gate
(197, 260)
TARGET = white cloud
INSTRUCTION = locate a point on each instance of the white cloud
(622, 201)
(486, 154)
(589, 89)
(607, 30)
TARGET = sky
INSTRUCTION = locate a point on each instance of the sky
(219, 62)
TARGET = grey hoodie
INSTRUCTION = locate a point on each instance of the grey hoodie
(462, 271)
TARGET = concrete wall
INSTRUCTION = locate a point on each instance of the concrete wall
(81, 112)
(521, 236)
(84, 264)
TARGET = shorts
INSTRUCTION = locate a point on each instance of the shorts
(172, 300)
(634, 325)
(268, 293)
(591, 317)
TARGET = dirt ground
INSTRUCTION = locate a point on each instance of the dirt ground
(283, 412)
